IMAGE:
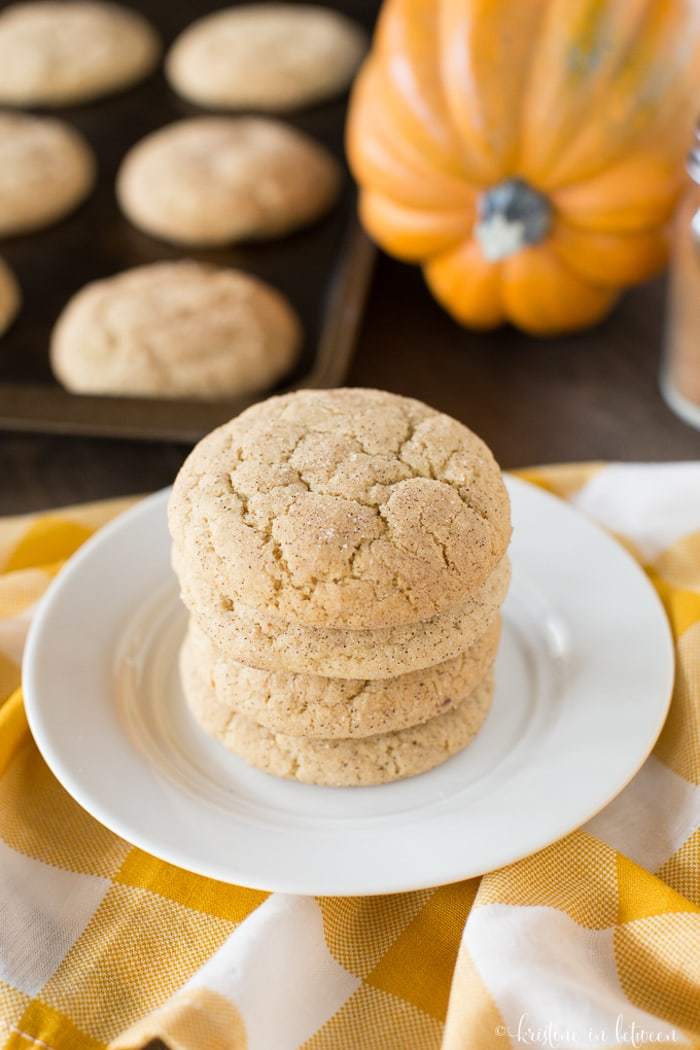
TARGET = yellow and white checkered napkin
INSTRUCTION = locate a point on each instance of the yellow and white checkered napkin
(593, 942)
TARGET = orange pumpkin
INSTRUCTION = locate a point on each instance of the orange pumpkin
(527, 153)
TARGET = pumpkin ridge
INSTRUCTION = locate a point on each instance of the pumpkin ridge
(406, 232)
(579, 94)
(637, 73)
(611, 259)
(379, 138)
(544, 296)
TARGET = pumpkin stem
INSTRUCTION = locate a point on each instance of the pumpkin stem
(512, 215)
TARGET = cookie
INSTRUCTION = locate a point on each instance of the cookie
(55, 53)
(10, 296)
(259, 639)
(342, 508)
(266, 56)
(308, 705)
(46, 169)
(216, 180)
(341, 763)
(175, 329)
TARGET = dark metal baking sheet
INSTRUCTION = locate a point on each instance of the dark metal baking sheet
(324, 270)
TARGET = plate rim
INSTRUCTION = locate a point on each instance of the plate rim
(103, 813)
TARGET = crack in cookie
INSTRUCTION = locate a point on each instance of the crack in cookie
(342, 508)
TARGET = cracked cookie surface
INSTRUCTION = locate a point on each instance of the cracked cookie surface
(312, 706)
(259, 639)
(342, 508)
(175, 329)
(343, 763)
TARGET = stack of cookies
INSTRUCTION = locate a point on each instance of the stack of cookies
(342, 554)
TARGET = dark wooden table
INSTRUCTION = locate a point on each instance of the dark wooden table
(591, 396)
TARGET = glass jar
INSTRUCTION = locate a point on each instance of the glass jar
(680, 381)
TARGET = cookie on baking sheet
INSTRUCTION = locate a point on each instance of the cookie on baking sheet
(256, 638)
(342, 508)
(57, 52)
(10, 296)
(309, 705)
(341, 763)
(46, 169)
(175, 329)
(266, 56)
(216, 180)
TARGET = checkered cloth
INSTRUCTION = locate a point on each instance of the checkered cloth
(593, 942)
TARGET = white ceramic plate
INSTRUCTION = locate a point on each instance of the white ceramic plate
(583, 681)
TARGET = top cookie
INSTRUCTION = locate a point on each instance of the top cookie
(54, 52)
(342, 508)
(266, 56)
